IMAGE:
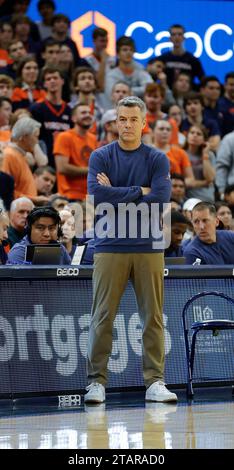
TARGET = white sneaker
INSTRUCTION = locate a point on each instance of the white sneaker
(96, 393)
(159, 392)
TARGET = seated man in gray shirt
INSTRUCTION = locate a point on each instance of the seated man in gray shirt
(43, 227)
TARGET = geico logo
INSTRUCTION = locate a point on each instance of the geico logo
(67, 272)
(207, 42)
(69, 400)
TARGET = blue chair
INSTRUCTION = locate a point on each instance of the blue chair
(213, 325)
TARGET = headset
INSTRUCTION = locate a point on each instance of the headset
(38, 212)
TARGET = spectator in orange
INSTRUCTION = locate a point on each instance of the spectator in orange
(154, 98)
(24, 137)
(26, 91)
(72, 150)
(179, 160)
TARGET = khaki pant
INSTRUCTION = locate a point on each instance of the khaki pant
(110, 277)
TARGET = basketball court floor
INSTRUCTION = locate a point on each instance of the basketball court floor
(125, 421)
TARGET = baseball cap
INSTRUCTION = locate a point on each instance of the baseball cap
(190, 203)
(109, 116)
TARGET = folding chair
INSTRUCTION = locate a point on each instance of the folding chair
(213, 325)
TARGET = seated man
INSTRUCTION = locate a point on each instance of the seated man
(43, 227)
(45, 179)
(19, 210)
(209, 246)
(179, 225)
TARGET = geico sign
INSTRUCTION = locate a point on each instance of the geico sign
(209, 38)
(67, 272)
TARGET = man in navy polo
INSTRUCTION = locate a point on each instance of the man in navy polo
(210, 246)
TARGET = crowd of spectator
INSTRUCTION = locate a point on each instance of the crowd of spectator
(56, 108)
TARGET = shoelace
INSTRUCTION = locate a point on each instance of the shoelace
(160, 383)
(93, 385)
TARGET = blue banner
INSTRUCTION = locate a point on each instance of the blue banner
(44, 333)
(208, 25)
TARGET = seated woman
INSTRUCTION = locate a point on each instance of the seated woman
(27, 91)
(224, 214)
(203, 163)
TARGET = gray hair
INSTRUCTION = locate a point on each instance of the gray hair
(16, 202)
(131, 102)
(24, 126)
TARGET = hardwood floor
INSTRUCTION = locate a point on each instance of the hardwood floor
(205, 423)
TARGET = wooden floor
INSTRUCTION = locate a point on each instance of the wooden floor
(205, 423)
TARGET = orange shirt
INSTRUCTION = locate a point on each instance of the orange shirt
(179, 160)
(5, 137)
(78, 149)
(146, 129)
(22, 99)
(4, 58)
(15, 164)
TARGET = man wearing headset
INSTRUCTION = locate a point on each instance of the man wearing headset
(43, 227)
